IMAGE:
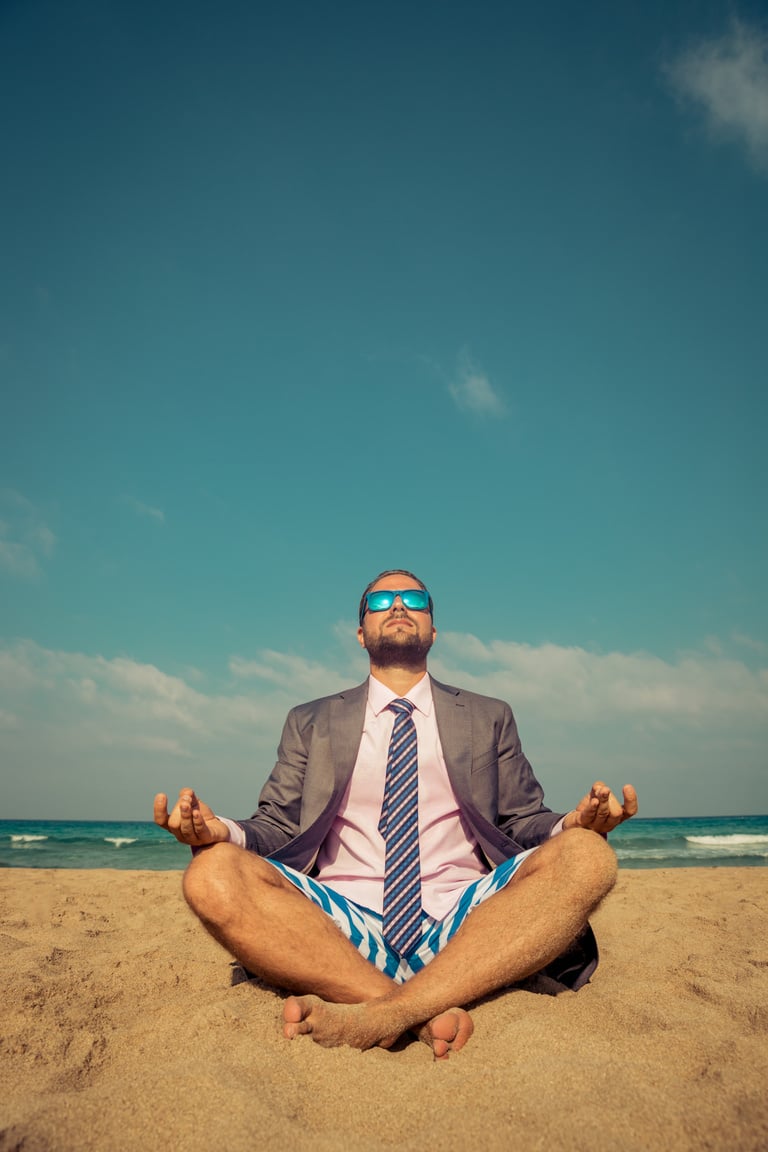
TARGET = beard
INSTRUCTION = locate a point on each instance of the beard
(398, 649)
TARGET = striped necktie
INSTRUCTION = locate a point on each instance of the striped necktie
(399, 825)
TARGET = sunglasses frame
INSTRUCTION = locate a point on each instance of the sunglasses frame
(402, 593)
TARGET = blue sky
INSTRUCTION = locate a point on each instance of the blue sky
(294, 293)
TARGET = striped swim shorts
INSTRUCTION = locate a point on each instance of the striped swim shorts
(364, 928)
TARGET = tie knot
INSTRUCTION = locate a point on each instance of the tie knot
(401, 707)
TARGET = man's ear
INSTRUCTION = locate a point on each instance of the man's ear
(360, 639)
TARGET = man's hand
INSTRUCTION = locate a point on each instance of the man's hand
(191, 821)
(601, 811)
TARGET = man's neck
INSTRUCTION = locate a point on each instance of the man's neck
(398, 679)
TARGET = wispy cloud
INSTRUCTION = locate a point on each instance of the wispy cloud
(148, 511)
(25, 539)
(472, 390)
(17, 558)
(305, 678)
(8, 720)
(728, 77)
(750, 642)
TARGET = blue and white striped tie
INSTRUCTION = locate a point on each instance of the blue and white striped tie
(399, 825)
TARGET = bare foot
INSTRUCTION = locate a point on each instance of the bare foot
(333, 1025)
(370, 1025)
(447, 1032)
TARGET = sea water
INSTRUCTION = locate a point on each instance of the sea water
(680, 842)
(89, 844)
(692, 842)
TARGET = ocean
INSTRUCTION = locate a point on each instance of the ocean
(680, 842)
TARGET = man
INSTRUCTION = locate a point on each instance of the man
(401, 864)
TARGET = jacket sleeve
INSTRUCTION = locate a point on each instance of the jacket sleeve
(276, 820)
(522, 814)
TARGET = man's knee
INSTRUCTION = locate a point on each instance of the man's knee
(591, 858)
(214, 881)
(581, 856)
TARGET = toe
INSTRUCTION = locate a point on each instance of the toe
(449, 1032)
(296, 1013)
(293, 1010)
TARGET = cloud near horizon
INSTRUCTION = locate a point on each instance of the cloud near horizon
(697, 688)
(728, 77)
(97, 736)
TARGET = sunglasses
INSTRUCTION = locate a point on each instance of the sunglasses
(417, 599)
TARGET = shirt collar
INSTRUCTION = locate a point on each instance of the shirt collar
(380, 697)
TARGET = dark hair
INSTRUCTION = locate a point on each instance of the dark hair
(393, 572)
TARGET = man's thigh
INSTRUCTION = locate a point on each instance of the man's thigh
(363, 927)
(472, 896)
(360, 925)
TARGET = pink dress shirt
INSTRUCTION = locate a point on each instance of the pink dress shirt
(351, 860)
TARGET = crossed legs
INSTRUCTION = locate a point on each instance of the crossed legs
(271, 927)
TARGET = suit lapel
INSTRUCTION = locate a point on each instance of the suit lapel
(346, 729)
(454, 724)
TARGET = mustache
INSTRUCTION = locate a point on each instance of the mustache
(398, 618)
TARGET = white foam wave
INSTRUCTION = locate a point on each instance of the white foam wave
(118, 841)
(735, 840)
(26, 839)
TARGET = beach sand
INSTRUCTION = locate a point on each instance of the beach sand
(121, 1029)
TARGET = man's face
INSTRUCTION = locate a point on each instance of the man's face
(398, 635)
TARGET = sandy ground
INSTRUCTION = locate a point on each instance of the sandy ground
(121, 1029)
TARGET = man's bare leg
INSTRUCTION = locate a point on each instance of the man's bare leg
(515, 933)
(281, 936)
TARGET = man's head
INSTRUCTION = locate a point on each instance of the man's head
(396, 629)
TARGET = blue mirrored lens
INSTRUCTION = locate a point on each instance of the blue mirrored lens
(415, 598)
(380, 601)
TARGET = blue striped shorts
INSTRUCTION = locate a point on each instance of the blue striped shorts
(364, 928)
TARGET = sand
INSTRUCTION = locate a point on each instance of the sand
(121, 1029)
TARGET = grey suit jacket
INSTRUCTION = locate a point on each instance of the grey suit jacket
(499, 796)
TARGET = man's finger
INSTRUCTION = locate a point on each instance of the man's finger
(630, 801)
(160, 810)
(203, 833)
(590, 814)
(186, 817)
